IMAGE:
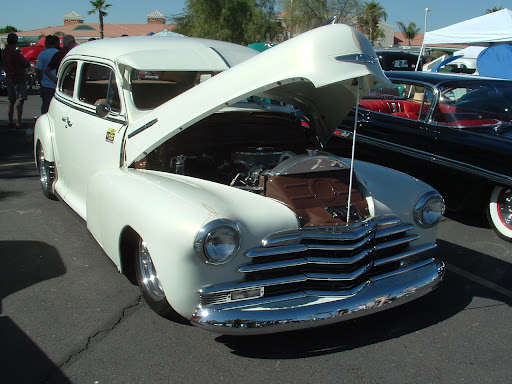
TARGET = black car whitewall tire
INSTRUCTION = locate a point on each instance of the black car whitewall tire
(45, 175)
(149, 282)
(499, 212)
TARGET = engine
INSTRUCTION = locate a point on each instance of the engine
(315, 186)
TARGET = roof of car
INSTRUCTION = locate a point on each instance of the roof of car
(164, 50)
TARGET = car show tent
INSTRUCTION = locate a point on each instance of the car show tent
(495, 27)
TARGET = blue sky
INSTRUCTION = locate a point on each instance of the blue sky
(32, 14)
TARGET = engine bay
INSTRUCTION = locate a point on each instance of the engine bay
(271, 154)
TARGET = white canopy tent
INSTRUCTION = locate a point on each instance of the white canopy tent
(484, 30)
(495, 27)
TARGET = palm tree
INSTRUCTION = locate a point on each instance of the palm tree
(370, 18)
(100, 7)
(494, 9)
(410, 31)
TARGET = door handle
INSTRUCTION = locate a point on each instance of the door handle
(66, 120)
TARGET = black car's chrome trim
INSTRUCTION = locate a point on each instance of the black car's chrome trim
(78, 107)
(436, 159)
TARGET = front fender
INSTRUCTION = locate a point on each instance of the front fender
(167, 211)
(395, 193)
(43, 135)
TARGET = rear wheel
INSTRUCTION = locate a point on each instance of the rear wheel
(46, 173)
(149, 282)
(499, 212)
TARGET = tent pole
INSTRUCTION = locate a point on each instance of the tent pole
(421, 53)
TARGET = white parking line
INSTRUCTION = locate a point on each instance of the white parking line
(479, 280)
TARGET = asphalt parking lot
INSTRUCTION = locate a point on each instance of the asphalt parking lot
(67, 316)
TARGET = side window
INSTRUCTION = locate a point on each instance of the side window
(98, 85)
(67, 82)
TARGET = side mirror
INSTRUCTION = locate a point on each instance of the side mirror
(103, 109)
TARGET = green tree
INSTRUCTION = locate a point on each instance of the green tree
(410, 31)
(8, 29)
(371, 15)
(494, 9)
(303, 15)
(100, 7)
(237, 21)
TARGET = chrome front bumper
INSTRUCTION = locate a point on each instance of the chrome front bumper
(382, 293)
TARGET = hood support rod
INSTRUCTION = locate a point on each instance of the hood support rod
(358, 95)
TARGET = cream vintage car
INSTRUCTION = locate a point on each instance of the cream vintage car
(190, 164)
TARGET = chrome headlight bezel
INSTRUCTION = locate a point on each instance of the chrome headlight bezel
(204, 245)
(429, 209)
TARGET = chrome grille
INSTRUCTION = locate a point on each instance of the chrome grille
(320, 261)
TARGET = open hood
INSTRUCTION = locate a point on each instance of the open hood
(320, 72)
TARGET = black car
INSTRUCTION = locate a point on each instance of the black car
(453, 131)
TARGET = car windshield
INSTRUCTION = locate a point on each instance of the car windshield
(474, 103)
(153, 88)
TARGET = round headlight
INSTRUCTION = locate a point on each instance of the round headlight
(218, 241)
(429, 209)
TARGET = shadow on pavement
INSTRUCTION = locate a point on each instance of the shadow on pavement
(477, 275)
(23, 264)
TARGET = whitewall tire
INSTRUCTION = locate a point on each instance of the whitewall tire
(499, 212)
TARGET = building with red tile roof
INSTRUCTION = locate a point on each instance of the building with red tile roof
(74, 25)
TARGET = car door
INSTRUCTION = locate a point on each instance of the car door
(393, 128)
(85, 142)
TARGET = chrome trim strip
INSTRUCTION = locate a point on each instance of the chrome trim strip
(304, 313)
(304, 261)
(251, 284)
(261, 252)
(403, 255)
(276, 250)
(351, 232)
(339, 260)
(339, 276)
(358, 58)
(399, 271)
(341, 247)
(347, 293)
(74, 105)
(396, 242)
(257, 302)
(272, 265)
(393, 230)
(441, 160)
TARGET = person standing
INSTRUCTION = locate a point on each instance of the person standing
(68, 43)
(47, 85)
(15, 66)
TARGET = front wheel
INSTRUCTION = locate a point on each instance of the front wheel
(499, 212)
(46, 173)
(149, 282)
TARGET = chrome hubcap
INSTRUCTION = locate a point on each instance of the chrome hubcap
(148, 273)
(504, 204)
